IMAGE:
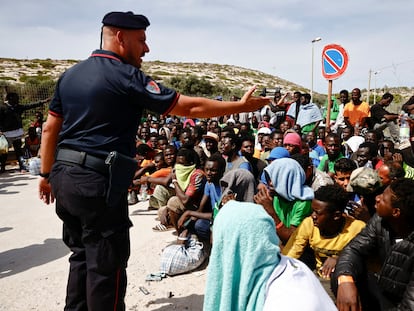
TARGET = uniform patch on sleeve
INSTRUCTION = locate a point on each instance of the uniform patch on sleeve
(153, 87)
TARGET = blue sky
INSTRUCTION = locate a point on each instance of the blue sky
(270, 36)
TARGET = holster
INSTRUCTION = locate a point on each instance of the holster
(121, 172)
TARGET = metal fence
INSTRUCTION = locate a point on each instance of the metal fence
(29, 93)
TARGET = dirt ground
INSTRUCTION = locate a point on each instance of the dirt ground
(34, 260)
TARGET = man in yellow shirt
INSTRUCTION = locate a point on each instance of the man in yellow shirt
(327, 231)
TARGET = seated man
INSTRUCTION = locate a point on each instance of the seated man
(188, 182)
(367, 156)
(162, 190)
(343, 170)
(333, 154)
(162, 170)
(198, 221)
(388, 236)
(327, 231)
(383, 119)
(231, 147)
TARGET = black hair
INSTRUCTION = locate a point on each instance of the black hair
(409, 102)
(276, 131)
(373, 149)
(303, 159)
(143, 149)
(235, 140)
(307, 96)
(171, 147)
(388, 96)
(247, 138)
(344, 92)
(403, 197)
(190, 156)
(228, 129)
(350, 128)
(344, 165)
(297, 93)
(199, 132)
(336, 197)
(162, 137)
(190, 143)
(332, 135)
(216, 157)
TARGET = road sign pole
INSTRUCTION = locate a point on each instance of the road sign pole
(328, 111)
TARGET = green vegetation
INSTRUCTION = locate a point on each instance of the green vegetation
(8, 78)
(192, 85)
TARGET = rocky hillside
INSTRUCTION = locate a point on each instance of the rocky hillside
(19, 70)
(232, 77)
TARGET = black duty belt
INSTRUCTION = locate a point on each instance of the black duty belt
(83, 159)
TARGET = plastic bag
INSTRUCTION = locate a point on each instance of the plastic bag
(4, 145)
(181, 258)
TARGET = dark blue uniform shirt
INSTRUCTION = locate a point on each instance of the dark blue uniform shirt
(101, 100)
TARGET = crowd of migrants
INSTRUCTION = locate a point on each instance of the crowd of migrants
(339, 194)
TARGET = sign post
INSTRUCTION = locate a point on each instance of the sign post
(334, 63)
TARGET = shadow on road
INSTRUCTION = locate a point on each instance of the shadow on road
(4, 229)
(21, 259)
(192, 302)
(19, 180)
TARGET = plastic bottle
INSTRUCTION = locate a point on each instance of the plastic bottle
(404, 128)
(144, 194)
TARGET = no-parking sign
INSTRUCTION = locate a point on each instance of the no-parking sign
(334, 61)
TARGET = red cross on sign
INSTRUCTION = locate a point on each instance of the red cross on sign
(334, 61)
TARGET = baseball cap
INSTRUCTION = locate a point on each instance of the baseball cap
(126, 20)
(364, 180)
(264, 130)
(278, 153)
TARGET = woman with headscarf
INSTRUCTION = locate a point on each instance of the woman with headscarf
(247, 272)
(287, 198)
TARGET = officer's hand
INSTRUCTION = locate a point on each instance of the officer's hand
(252, 103)
(45, 191)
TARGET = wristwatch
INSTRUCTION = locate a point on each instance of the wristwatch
(44, 175)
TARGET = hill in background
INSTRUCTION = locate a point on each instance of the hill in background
(232, 77)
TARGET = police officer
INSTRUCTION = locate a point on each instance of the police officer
(95, 111)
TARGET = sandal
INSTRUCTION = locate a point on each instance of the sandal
(161, 227)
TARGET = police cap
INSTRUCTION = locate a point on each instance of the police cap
(126, 20)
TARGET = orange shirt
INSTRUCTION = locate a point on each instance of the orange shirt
(164, 172)
(356, 113)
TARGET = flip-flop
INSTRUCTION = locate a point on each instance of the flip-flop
(161, 228)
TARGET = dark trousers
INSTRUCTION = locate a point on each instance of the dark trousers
(98, 237)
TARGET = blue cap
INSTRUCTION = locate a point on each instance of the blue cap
(125, 20)
(278, 153)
